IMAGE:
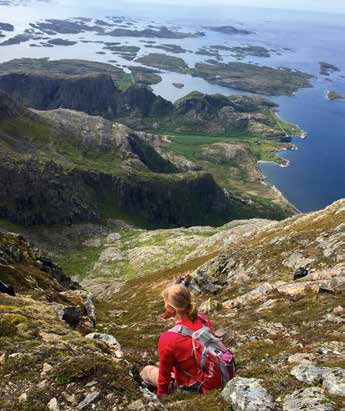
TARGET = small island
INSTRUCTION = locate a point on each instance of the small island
(170, 48)
(253, 78)
(126, 52)
(163, 33)
(6, 27)
(229, 30)
(68, 26)
(327, 69)
(334, 95)
(61, 42)
(178, 85)
(164, 62)
(254, 51)
(203, 51)
(19, 38)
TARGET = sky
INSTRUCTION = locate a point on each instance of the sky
(331, 6)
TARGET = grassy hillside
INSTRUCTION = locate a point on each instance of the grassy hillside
(270, 330)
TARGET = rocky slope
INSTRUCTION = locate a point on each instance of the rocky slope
(50, 357)
(287, 334)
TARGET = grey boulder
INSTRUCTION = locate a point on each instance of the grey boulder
(311, 399)
(246, 394)
(332, 379)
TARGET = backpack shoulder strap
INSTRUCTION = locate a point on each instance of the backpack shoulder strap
(182, 330)
(202, 319)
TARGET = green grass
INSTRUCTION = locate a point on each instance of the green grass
(230, 175)
(78, 262)
(189, 145)
(126, 81)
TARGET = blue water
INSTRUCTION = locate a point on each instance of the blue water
(316, 175)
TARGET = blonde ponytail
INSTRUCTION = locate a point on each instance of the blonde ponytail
(193, 312)
(179, 297)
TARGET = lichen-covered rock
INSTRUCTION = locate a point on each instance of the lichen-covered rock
(246, 394)
(209, 305)
(112, 238)
(311, 399)
(259, 293)
(89, 398)
(136, 405)
(53, 405)
(109, 340)
(301, 358)
(333, 379)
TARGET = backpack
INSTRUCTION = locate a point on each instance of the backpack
(215, 363)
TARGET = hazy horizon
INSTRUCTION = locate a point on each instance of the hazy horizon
(332, 6)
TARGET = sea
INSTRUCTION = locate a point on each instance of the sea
(300, 40)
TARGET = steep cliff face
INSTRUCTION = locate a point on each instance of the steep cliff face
(166, 201)
(36, 193)
(140, 101)
(9, 108)
(93, 94)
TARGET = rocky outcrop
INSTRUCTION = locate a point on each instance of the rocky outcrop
(25, 268)
(141, 101)
(247, 394)
(312, 398)
(205, 114)
(109, 341)
(332, 379)
(275, 251)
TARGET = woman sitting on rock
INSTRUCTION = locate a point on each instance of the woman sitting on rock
(181, 359)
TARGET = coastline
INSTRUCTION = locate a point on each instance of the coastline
(286, 163)
(280, 196)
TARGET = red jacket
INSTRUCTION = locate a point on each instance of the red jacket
(176, 354)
